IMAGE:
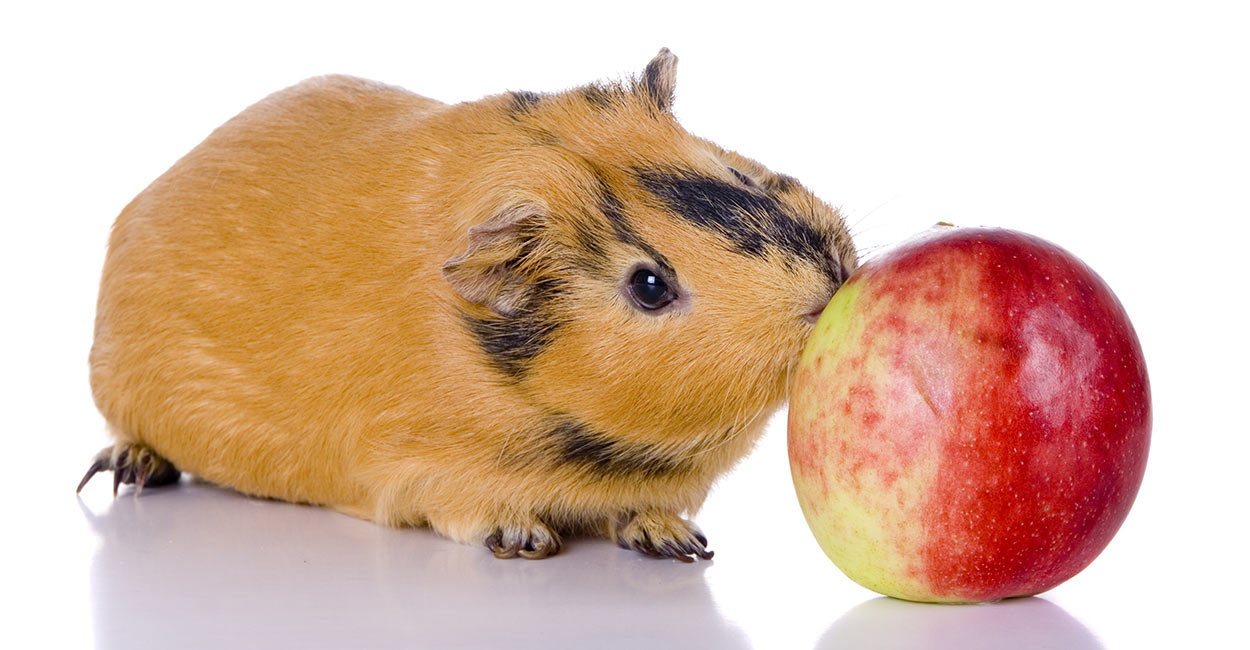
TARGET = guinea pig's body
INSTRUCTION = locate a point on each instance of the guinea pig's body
(418, 313)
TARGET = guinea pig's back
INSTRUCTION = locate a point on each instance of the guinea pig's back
(260, 296)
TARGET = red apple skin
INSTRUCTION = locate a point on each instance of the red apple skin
(988, 401)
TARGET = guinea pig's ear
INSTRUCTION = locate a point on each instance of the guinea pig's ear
(489, 272)
(659, 80)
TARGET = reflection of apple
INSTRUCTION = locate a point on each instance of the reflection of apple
(885, 623)
(970, 419)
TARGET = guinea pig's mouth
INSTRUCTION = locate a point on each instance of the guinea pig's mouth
(838, 273)
(818, 308)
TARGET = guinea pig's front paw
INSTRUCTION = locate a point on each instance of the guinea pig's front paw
(532, 540)
(660, 534)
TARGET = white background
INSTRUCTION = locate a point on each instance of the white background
(1118, 130)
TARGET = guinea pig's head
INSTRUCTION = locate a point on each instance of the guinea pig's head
(636, 277)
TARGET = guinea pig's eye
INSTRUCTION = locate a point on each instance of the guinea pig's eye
(649, 290)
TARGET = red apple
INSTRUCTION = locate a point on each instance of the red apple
(970, 419)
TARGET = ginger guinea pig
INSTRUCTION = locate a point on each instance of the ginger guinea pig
(512, 319)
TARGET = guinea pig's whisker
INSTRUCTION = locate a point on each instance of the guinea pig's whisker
(868, 252)
(869, 213)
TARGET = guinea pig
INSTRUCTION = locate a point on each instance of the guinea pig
(511, 320)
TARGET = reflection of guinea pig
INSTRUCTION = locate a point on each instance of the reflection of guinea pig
(285, 577)
(508, 319)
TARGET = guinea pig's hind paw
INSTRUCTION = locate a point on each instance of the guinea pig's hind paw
(532, 542)
(131, 463)
(661, 535)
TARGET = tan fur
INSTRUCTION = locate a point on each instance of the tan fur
(274, 316)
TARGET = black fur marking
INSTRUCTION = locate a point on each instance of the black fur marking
(748, 218)
(578, 444)
(743, 178)
(591, 240)
(543, 137)
(523, 101)
(614, 210)
(511, 342)
(599, 97)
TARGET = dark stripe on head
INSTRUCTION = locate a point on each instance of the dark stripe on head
(578, 444)
(599, 96)
(523, 101)
(591, 239)
(751, 220)
(542, 137)
(614, 211)
(511, 342)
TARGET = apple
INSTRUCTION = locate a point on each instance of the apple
(970, 418)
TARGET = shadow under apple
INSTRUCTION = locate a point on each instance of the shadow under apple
(886, 623)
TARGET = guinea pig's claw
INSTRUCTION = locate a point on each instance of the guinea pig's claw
(661, 535)
(533, 543)
(538, 551)
(131, 463)
(97, 465)
(496, 546)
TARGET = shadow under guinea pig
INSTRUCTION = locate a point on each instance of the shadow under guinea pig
(886, 623)
(198, 566)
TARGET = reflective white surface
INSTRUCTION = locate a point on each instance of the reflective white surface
(212, 569)
(216, 570)
(1117, 130)
(199, 566)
